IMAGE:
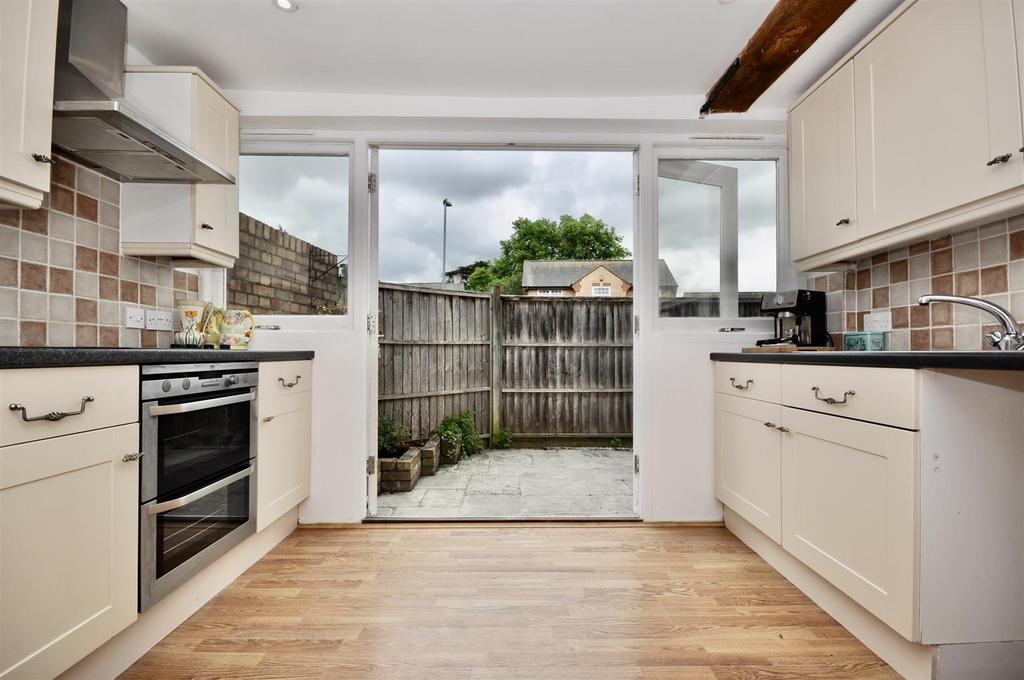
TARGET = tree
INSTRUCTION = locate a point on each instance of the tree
(462, 273)
(572, 238)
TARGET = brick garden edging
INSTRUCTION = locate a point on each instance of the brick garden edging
(401, 474)
(430, 457)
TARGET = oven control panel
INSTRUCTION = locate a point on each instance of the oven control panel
(160, 382)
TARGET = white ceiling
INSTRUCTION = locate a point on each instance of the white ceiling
(475, 48)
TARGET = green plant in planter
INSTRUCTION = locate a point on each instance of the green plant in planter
(502, 440)
(391, 438)
(458, 436)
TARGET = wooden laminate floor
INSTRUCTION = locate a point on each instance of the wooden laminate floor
(509, 602)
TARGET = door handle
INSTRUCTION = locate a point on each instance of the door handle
(290, 384)
(732, 381)
(831, 401)
(999, 160)
(206, 226)
(52, 415)
(188, 407)
(176, 503)
(42, 158)
(843, 222)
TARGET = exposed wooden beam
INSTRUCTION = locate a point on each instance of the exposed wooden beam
(789, 29)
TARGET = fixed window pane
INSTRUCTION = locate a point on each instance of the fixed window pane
(293, 236)
(717, 227)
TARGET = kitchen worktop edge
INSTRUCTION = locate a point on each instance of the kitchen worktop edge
(47, 357)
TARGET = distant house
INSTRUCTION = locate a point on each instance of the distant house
(588, 278)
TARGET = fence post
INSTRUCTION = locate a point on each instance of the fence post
(496, 360)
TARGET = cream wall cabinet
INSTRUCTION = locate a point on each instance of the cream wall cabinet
(68, 548)
(823, 209)
(933, 98)
(747, 464)
(28, 43)
(849, 509)
(195, 224)
(937, 104)
(284, 441)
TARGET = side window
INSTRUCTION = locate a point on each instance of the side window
(293, 236)
(717, 227)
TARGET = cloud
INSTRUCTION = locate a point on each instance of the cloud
(306, 195)
(489, 190)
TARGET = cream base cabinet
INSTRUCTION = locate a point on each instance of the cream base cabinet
(938, 112)
(849, 509)
(68, 548)
(283, 455)
(748, 461)
(28, 43)
(823, 210)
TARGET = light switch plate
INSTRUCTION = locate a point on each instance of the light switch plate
(134, 317)
(880, 322)
(158, 319)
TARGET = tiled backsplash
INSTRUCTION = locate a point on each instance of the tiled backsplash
(63, 281)
(985, 262)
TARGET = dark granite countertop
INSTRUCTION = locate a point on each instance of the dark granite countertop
(992, 360)
(39, 357)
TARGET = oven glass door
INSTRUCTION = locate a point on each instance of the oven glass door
(183, 535)
(196, 445)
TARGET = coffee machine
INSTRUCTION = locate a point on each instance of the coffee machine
(799, 318)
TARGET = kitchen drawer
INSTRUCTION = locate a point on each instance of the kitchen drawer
(876, 395)
(114, 392)
(278, 378)
(753, 381)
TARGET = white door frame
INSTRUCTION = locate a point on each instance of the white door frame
(372, 284)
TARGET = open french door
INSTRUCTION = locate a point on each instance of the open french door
(373, 339)
(690, 207)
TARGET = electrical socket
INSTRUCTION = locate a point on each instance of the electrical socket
(158, 319)
(134, 317)
(879, 322)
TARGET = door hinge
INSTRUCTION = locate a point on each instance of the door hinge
(636, 464)
(371, 183)
(371, 465)
(636, 186)
(636, 325)
(371, 324)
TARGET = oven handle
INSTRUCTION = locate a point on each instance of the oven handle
(188, 407)
(157, 508)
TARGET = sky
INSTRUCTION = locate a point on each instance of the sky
(689, 226)
(306, 195)
(489, 189)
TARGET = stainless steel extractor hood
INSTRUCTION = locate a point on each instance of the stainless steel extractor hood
(93, 123)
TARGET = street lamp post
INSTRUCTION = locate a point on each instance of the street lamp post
(444, 239)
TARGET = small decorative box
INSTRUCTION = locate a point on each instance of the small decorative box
(864, 342)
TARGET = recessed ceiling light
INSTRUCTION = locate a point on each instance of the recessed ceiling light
(285, 5)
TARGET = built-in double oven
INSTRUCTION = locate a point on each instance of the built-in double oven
(198, 476)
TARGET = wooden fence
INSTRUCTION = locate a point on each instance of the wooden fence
(556, 368)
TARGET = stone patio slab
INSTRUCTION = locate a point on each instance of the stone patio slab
(522, 483)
